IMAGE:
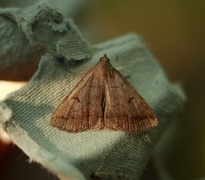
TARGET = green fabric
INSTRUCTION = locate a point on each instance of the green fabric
(107, 153)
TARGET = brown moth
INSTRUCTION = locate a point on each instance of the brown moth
(103, 99)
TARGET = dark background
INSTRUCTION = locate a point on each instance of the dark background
(174, 31)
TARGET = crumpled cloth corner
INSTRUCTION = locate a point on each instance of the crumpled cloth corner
(106, 154)
(28, 33)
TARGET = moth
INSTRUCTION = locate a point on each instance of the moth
(104, 99)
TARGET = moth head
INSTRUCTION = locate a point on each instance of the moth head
(104, 59)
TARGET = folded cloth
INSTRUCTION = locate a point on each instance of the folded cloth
(25, 114)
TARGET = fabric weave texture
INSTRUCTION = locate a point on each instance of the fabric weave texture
(102, 152)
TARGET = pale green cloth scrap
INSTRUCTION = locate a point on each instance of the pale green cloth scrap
(106, 153)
